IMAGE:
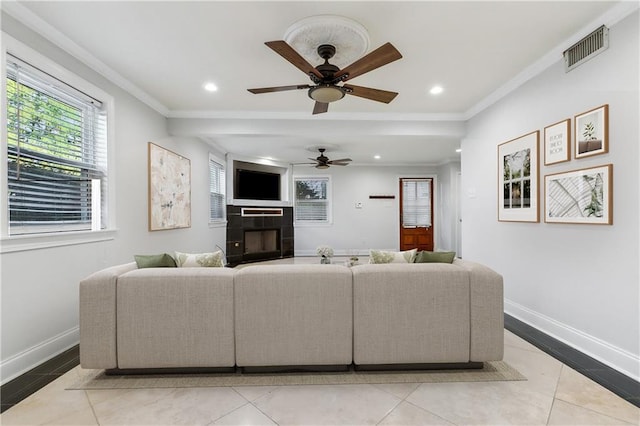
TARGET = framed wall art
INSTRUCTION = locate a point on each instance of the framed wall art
(518, 179)
(557, 142)
(169, 189)
(580, 196)
(592, 132)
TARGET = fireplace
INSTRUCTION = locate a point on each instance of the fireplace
(258, 233)
(262, 241)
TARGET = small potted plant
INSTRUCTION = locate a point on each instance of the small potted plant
(325, 253)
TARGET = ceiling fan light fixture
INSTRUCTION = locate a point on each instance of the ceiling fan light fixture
(326, 93)
(322, 166)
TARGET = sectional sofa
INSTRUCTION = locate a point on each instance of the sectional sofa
(291, 316)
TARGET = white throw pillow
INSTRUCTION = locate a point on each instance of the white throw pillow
(379, 256)
(197, 260)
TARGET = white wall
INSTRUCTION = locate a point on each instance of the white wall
(376, 224)
(39, 306)
(576, 282)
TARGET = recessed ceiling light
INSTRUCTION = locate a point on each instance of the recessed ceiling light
(436, 90)
(459, 150)
(210, 87)
(377, 157)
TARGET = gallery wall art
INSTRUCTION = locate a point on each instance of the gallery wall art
(557, 142)
(169, 189)
(592, 132)
(518, 179)
(580, 196)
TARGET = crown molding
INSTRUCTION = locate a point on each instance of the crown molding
(609, 18)
(43, 28)
(297, 115)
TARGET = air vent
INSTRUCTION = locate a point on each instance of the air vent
(586, 48)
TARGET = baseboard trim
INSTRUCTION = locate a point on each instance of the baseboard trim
(604, 352)
(34, 356)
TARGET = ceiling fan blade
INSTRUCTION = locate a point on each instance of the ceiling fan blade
(278, 89)
(283, 49)
(381, 56)
(342, 160)
(320, 107)
(369, 93)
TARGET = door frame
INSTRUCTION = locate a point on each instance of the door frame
(436, 205)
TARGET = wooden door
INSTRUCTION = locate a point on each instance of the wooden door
(416, 214)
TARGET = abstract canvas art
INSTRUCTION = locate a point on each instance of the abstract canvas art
(169, 189)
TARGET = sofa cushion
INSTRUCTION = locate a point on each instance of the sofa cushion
(196, 260)
(435, 257)
(163, 260)
(380, 256)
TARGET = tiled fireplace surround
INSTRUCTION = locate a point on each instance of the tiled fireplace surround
(258, 233)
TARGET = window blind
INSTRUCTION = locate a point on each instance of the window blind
(216, 191)
(312, 203)
(416, 203)
(56, 152)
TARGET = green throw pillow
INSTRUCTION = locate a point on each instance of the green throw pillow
(435, 257)
(163, 260)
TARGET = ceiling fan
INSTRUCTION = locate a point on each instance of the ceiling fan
(327, 76)
(323, 162)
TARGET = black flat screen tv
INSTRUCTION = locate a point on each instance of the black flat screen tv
(255, 185)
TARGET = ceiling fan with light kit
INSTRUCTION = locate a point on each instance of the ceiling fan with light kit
(323, 162)
(328, 79)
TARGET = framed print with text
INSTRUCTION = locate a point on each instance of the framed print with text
(557, 142)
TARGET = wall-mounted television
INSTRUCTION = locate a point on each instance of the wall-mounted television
(256, 185)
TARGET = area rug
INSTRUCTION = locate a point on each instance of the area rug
(492, 371)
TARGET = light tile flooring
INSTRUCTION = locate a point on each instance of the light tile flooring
(554, 394)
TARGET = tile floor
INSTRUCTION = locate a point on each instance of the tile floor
(554, 394)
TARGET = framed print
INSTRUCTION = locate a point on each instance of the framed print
(592, 132)
(518, 179)
(169, 189)
(580, 196)
(557, 142)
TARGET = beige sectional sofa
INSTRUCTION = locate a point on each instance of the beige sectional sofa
(290, 315)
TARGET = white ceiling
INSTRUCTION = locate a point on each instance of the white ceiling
(164, 52)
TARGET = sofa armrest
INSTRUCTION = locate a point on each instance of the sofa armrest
(487, 312)
(98, 317)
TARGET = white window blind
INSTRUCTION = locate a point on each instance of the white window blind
(416, 203)
(312, 201)
(216, 191)
(56, 152)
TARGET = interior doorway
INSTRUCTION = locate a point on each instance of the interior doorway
(416, 213)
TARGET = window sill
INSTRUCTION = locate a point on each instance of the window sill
(311, 224)
(39, 242)
(219, 224)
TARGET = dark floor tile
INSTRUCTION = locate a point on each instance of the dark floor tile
(616, 382)
(35, 379)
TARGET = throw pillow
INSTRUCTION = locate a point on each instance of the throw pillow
(379, 256)
(196, 260)
(435, 257)
(163, 260)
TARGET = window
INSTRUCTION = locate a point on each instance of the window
(216, 191)
(416, 203)
(312, 202)
(56, 154)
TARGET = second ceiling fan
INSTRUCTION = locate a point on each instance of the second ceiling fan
(326, 76)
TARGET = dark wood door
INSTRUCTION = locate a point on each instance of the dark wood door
(416, 214)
